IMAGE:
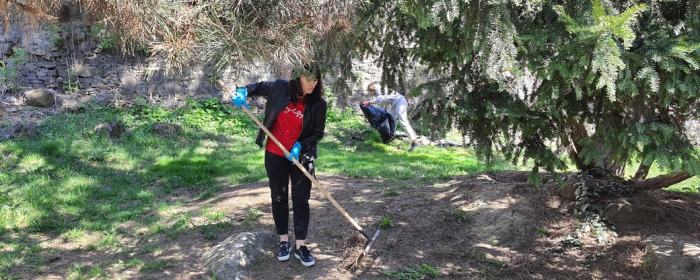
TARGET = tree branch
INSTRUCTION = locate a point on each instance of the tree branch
(662, 181)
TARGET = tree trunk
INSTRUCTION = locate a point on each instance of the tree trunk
(578, 133)
(660, 182)
(610, 167)
(642, 172)
(616, 168)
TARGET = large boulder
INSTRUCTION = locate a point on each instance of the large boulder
(624, 214)
(673, 257)
(572, 184)
(39, 97)
(233, 258)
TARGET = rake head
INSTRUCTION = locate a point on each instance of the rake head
(365, 251)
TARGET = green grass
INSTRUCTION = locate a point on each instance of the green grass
(691, 185)
(74, 183)
(81, 186)
(372, 159)
(70, 181)
(415, 272)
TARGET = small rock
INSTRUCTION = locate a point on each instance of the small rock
(114, 129)
(165, 129)
(19, 130)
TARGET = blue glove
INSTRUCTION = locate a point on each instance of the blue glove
(239, 98)
(294, 152)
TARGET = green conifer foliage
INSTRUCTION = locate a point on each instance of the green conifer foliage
(602, 82)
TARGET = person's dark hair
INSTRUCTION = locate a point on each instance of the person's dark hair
(309, 70)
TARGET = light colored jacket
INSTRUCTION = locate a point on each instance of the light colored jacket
(387, 99)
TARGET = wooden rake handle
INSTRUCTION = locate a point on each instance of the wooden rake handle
(301, 167)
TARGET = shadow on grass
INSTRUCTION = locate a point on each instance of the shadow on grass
(140, 197)
(71, 180)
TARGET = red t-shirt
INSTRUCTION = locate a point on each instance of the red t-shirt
(287, 127)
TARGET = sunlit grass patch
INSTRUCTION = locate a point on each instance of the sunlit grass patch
(156, 265)
(134, 263)
(165, 206)
(252, 216)
(691, 185)
(390, 192)
(155, 229)
(74, 234)
(109, 240)
(191, 170)
(77, 271)
(31, 163)
(389, 162)
(212, 215)
(80, 187)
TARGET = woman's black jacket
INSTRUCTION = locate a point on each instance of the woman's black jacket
(313, 122)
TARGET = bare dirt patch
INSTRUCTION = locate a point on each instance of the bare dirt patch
(482, 226)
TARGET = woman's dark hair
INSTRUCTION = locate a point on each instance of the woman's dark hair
(309, 70)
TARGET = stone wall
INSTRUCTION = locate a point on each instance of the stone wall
(67, 60)
(72, 62)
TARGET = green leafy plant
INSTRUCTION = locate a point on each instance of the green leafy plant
(213, 215)
(214, 116)
(390, 192)
(333, 114)
(156, 265)
(252, 217)
(213, 77)
(254, 213)
(9, 74)
(108, 40)
(58, 42)
(144, 111)
(497, 264)
(209, 110)
(71, 83)
(459, 214)
(182, 222)
(386, 223)
(134, 263)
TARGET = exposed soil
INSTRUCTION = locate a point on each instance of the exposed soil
(482, 226)
(427, 228)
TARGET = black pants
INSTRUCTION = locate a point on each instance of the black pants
(280, 171)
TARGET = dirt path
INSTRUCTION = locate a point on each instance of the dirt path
(484, 226)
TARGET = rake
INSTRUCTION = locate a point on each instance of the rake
(370, 239)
